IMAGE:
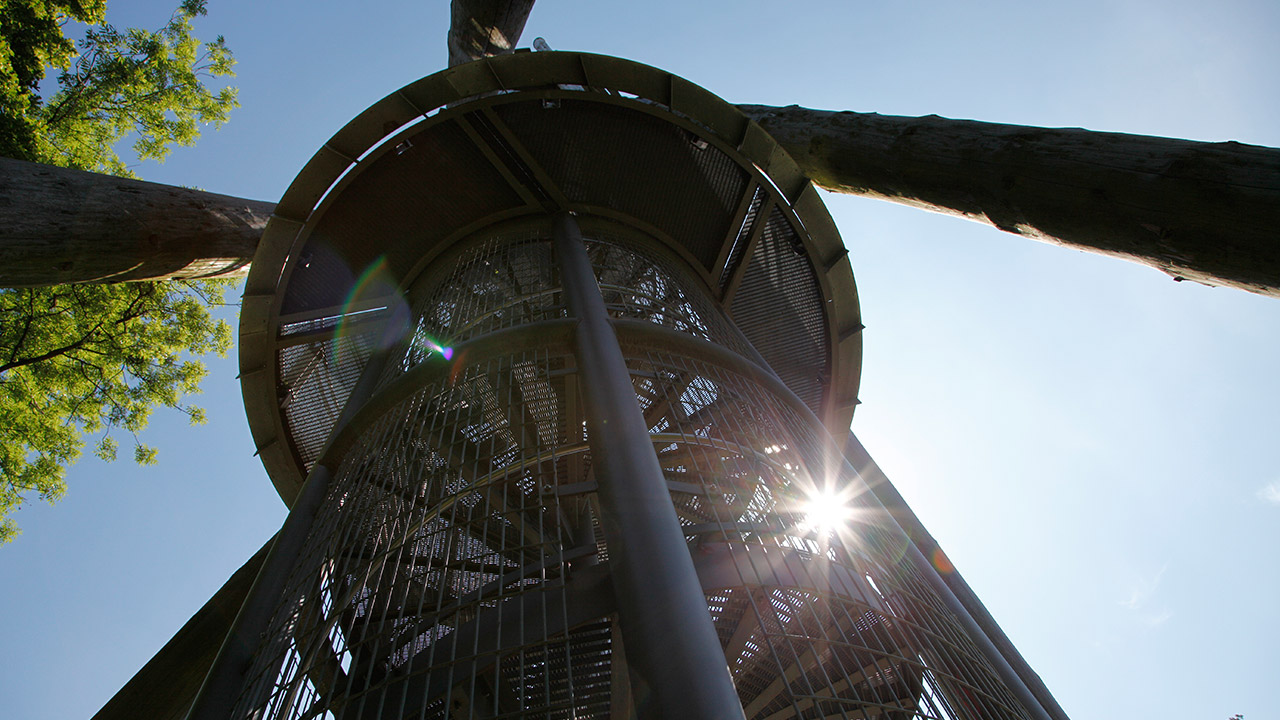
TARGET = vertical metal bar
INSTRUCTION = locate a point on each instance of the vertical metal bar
(674, 657)
(896, 507)
(225, 681)
(223, 685)
(856, 462)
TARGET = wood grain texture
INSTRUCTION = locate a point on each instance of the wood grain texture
(483, 28)
(61, 226)
(1207, 212)
(165, 687)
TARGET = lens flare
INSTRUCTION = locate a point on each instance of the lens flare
(433, 346)
(373, 293)
(826, 512)
(942, 562)
(376, 291)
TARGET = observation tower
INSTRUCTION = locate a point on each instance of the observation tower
(546, 352)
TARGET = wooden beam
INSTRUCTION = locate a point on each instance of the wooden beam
(1199, 211)
(164, 688)
(60, 226)
(484, 28)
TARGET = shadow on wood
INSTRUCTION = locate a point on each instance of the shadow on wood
(60, 226)
(1207, 212)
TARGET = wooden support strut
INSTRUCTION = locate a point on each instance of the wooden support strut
(60, 226)
(1199, 211)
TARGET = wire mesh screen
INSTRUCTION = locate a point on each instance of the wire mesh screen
(437, 581)
(611, 157)
(413, 197)
(316, 376)
(642, 285)
(503, 282)
(457, 567)
(511, 280)
(818, 618)
(739, 245)
(780, 308)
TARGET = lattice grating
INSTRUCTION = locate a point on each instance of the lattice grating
(511, 280)
(816, 637)
(437, 520)
(582, 145)
(780, 309)
(456, 568)
(316, 379)
(402, 202)
(739, 246)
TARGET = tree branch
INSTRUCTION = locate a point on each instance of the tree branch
(131, 312)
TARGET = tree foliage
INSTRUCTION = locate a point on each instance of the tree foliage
(145, 84)
(82, 359)
(31, 40)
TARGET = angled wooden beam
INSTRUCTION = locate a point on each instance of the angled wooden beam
(483, 28)
(1199, 211)
(60, 226)
(1208, 212)
(164, 688)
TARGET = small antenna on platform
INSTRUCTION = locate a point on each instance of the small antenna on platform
(540, 45)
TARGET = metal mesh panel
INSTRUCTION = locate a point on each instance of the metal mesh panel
(457, 567)
(501, 283)
(604, 155)
(306, 327)
(814, 624)
(435, 578)
(779, 306)
(739, 245)
(316, 378)
(450, 574)
(493, 137)
(434, 183)
(642, 285)
(512, 280)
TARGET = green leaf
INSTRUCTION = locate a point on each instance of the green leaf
(107, 448)
(144, 455)
(148, 86)
(88, 358)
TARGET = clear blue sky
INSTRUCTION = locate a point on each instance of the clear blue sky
(1094, 445)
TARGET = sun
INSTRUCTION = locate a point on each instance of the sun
(825, 512)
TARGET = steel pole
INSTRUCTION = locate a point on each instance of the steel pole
(1026, 687)
(225, 680)
(674, 659)
(1009, 664)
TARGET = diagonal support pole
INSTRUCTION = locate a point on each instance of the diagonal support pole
(224, 683)
(674, 656)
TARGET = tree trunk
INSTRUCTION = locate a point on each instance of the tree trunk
(1208, 212)
(482, 28)
(62, 226)
(1201, 211)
